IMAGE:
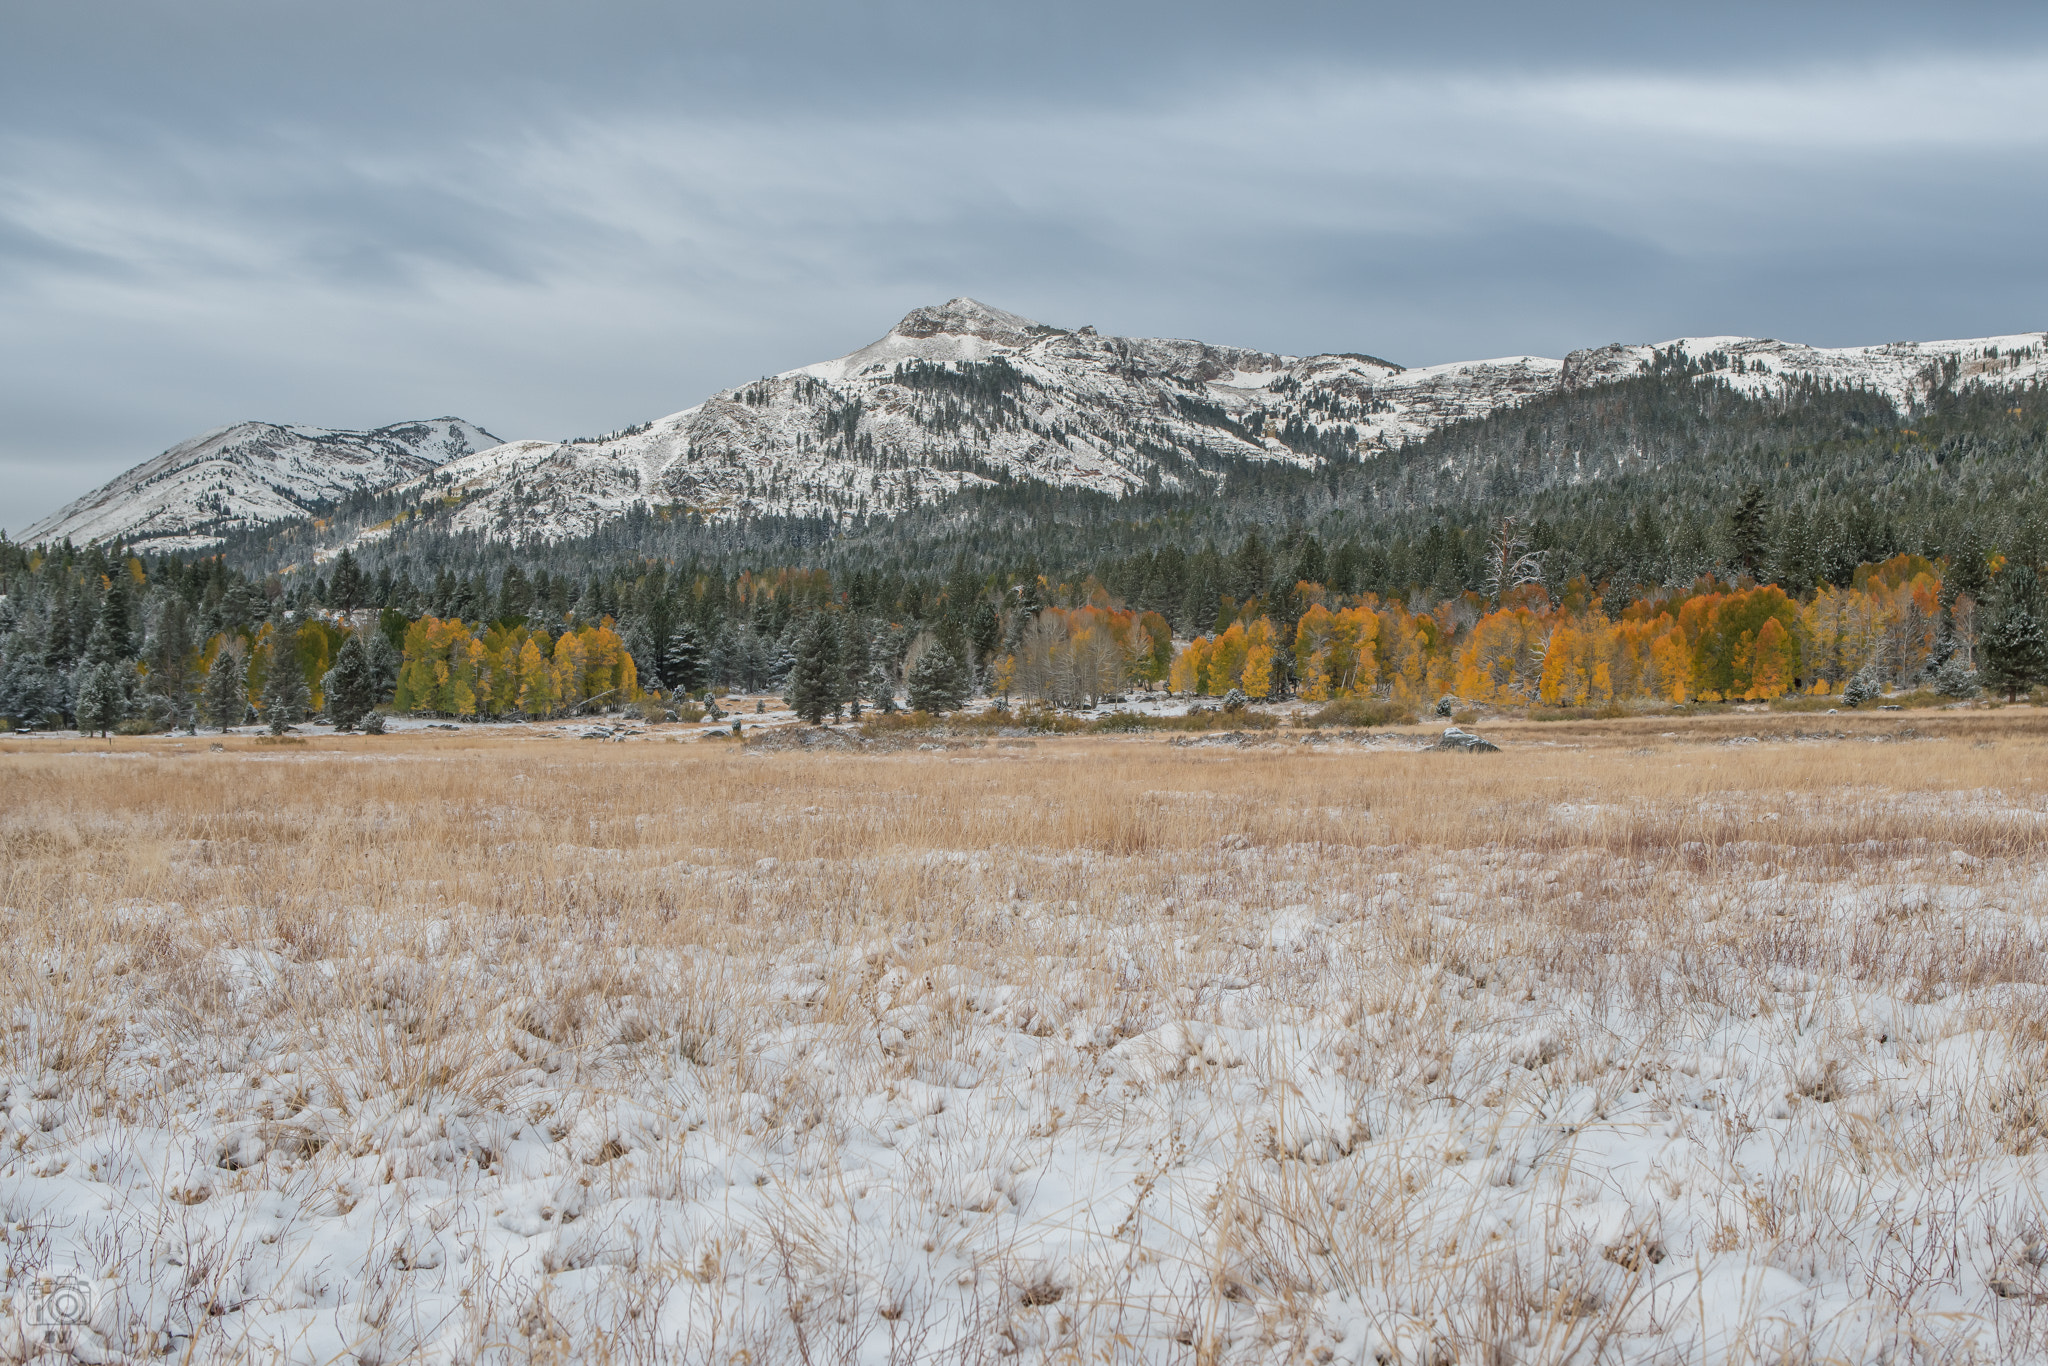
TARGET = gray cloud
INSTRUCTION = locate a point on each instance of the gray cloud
(554, 221)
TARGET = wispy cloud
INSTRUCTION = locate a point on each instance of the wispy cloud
(577, 264)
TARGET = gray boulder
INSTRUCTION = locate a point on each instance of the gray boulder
(1455, 738)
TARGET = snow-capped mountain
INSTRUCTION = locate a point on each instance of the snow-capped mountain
(250, 473)
(953, 397)
(1904, 372)
(964, 394)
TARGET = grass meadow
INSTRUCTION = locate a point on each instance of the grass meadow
(1713, 1039)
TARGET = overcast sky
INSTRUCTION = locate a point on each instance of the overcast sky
(556, 219)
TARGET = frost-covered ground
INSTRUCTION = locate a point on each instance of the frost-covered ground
(1066, 1051)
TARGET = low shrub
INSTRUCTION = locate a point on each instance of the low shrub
(882, 724)
(1807, 702)
(1352, 713)
(1196, 719)
(1606, 711)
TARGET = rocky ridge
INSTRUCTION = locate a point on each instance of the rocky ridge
(954, 397)
(964, 395)
(250, 473)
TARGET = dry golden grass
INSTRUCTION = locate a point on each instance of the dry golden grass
(1694, 924)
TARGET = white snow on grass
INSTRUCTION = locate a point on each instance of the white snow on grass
(1279, 1102)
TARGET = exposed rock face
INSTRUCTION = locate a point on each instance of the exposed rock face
(254, 472)
(956, 396)
(962, 395)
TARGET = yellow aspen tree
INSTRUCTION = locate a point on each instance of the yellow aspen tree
(1226, 660)
(1774, 661)
(1190, 673)
(570, 655)
(536, 694)
(1258, 668)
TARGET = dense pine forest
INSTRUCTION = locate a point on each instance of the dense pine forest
(1664, 537)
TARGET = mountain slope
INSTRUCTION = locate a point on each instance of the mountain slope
(964, 394)
(250, 473)
(954, 397)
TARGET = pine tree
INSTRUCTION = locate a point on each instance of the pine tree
(351, 685)
(1749, 535)
(345, 589)
(26, 693)
(2012, 643)
(58, 645)
(286, 697)
(1251, 568)
(515, 596)
(112, 626)
(224, 698)
(938, 680)
(685, 666)
(853, 665)
(100, 646)
(814, 677)
(647, 661)
(984, 633)
(100, 703)
(171, 658)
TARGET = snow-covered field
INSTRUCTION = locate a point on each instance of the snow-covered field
(485, 1048)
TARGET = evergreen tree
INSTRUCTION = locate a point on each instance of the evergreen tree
(1309, 563)
(2013, 646)
(345, 589)
(59, 645)
(984, 633)
(239, 609)
(1966, 569)
(224, 697)
(685, 667)
(351, 685)
(1251, 568)
(171, 659)
(385, 662)
(647, 661)
(1197, 615)
(27, 696)
(286, 698)
(1797, 561)
(853, 664)
(101, 646)
(112, 628)
(814, 676)
(1749, 534)
(938, 680)
(100, 704)
(515, 596)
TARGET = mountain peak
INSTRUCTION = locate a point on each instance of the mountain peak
(252, 472)
(965, 317)
(960, 329)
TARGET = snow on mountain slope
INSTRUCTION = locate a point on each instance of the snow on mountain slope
(956, 396)
(962, 395)
(1904, 372)
(250, 473)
